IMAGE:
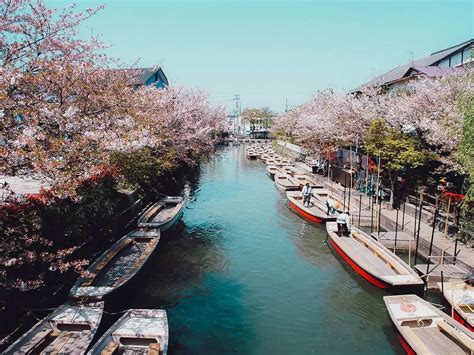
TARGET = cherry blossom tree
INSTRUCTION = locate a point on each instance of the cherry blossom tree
(65, 110)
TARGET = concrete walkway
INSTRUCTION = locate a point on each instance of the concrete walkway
(442, 246)
(23, 185)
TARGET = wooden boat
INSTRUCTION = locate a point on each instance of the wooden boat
(270, 161)
(69, 329)
(424, 329)
(138, 331)
(287, 169)
(272, 170)
(315, 212)
(373, 261)
(285, 182)
(460, 296)
(117, 265)
(323, 194)
(251, 154)
(303, 179)
(163, 215)
(264, 157)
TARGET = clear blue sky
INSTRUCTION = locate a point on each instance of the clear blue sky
(269, 51)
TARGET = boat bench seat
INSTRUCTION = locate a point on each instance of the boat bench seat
(35, 341)
(110, 349)
(60, 342)
(154, 349)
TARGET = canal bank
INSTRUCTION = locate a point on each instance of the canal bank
(242, 273)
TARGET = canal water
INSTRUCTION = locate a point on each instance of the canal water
(244, 274)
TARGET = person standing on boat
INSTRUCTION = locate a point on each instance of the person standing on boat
(307, 191)
(342, 221)
(330, 206)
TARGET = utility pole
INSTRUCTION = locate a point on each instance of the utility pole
(237, 112)
(286, 105)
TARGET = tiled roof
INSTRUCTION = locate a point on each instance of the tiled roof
(399, 72)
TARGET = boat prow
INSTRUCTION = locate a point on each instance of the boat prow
(460, 296)
(163, 215)
(138, 331)
(69, 329)
(285, 182)
(424, 329)
(272, 170)
(373, 261)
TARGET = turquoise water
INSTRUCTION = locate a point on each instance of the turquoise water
(243, 274)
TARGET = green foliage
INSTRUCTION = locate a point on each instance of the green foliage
(465, 156)
(253, 115)
(146, 168)
(397, 149)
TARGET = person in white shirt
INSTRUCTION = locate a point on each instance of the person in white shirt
(330, 206)
(307, 190)
(342, 221)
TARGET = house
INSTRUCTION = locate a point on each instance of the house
(151, 76)
(440, 63)
(145, 76)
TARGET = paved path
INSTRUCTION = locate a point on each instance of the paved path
(441, 244)
(21, 185)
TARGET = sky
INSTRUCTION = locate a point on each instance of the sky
(273, 52)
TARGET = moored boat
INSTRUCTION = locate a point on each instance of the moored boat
(460, 296)
(116, 266)
(424, 329)
(285, 182)
(288, 169)
(251, 154)
(138, 331)
(315, 212)
(163, 215)
(272, 170)
(69, 329)
(270, 161)
(373, 261)
(303, 179)
(323, 195)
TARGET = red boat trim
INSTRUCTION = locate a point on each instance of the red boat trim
(358, 269)
(405, 345)
(304, 213)
(459, 318)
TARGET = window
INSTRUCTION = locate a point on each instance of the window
(444, 63)
(467, 55)
(456, 59)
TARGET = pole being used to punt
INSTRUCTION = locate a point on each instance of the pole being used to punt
(431, 242)
(396, 233)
